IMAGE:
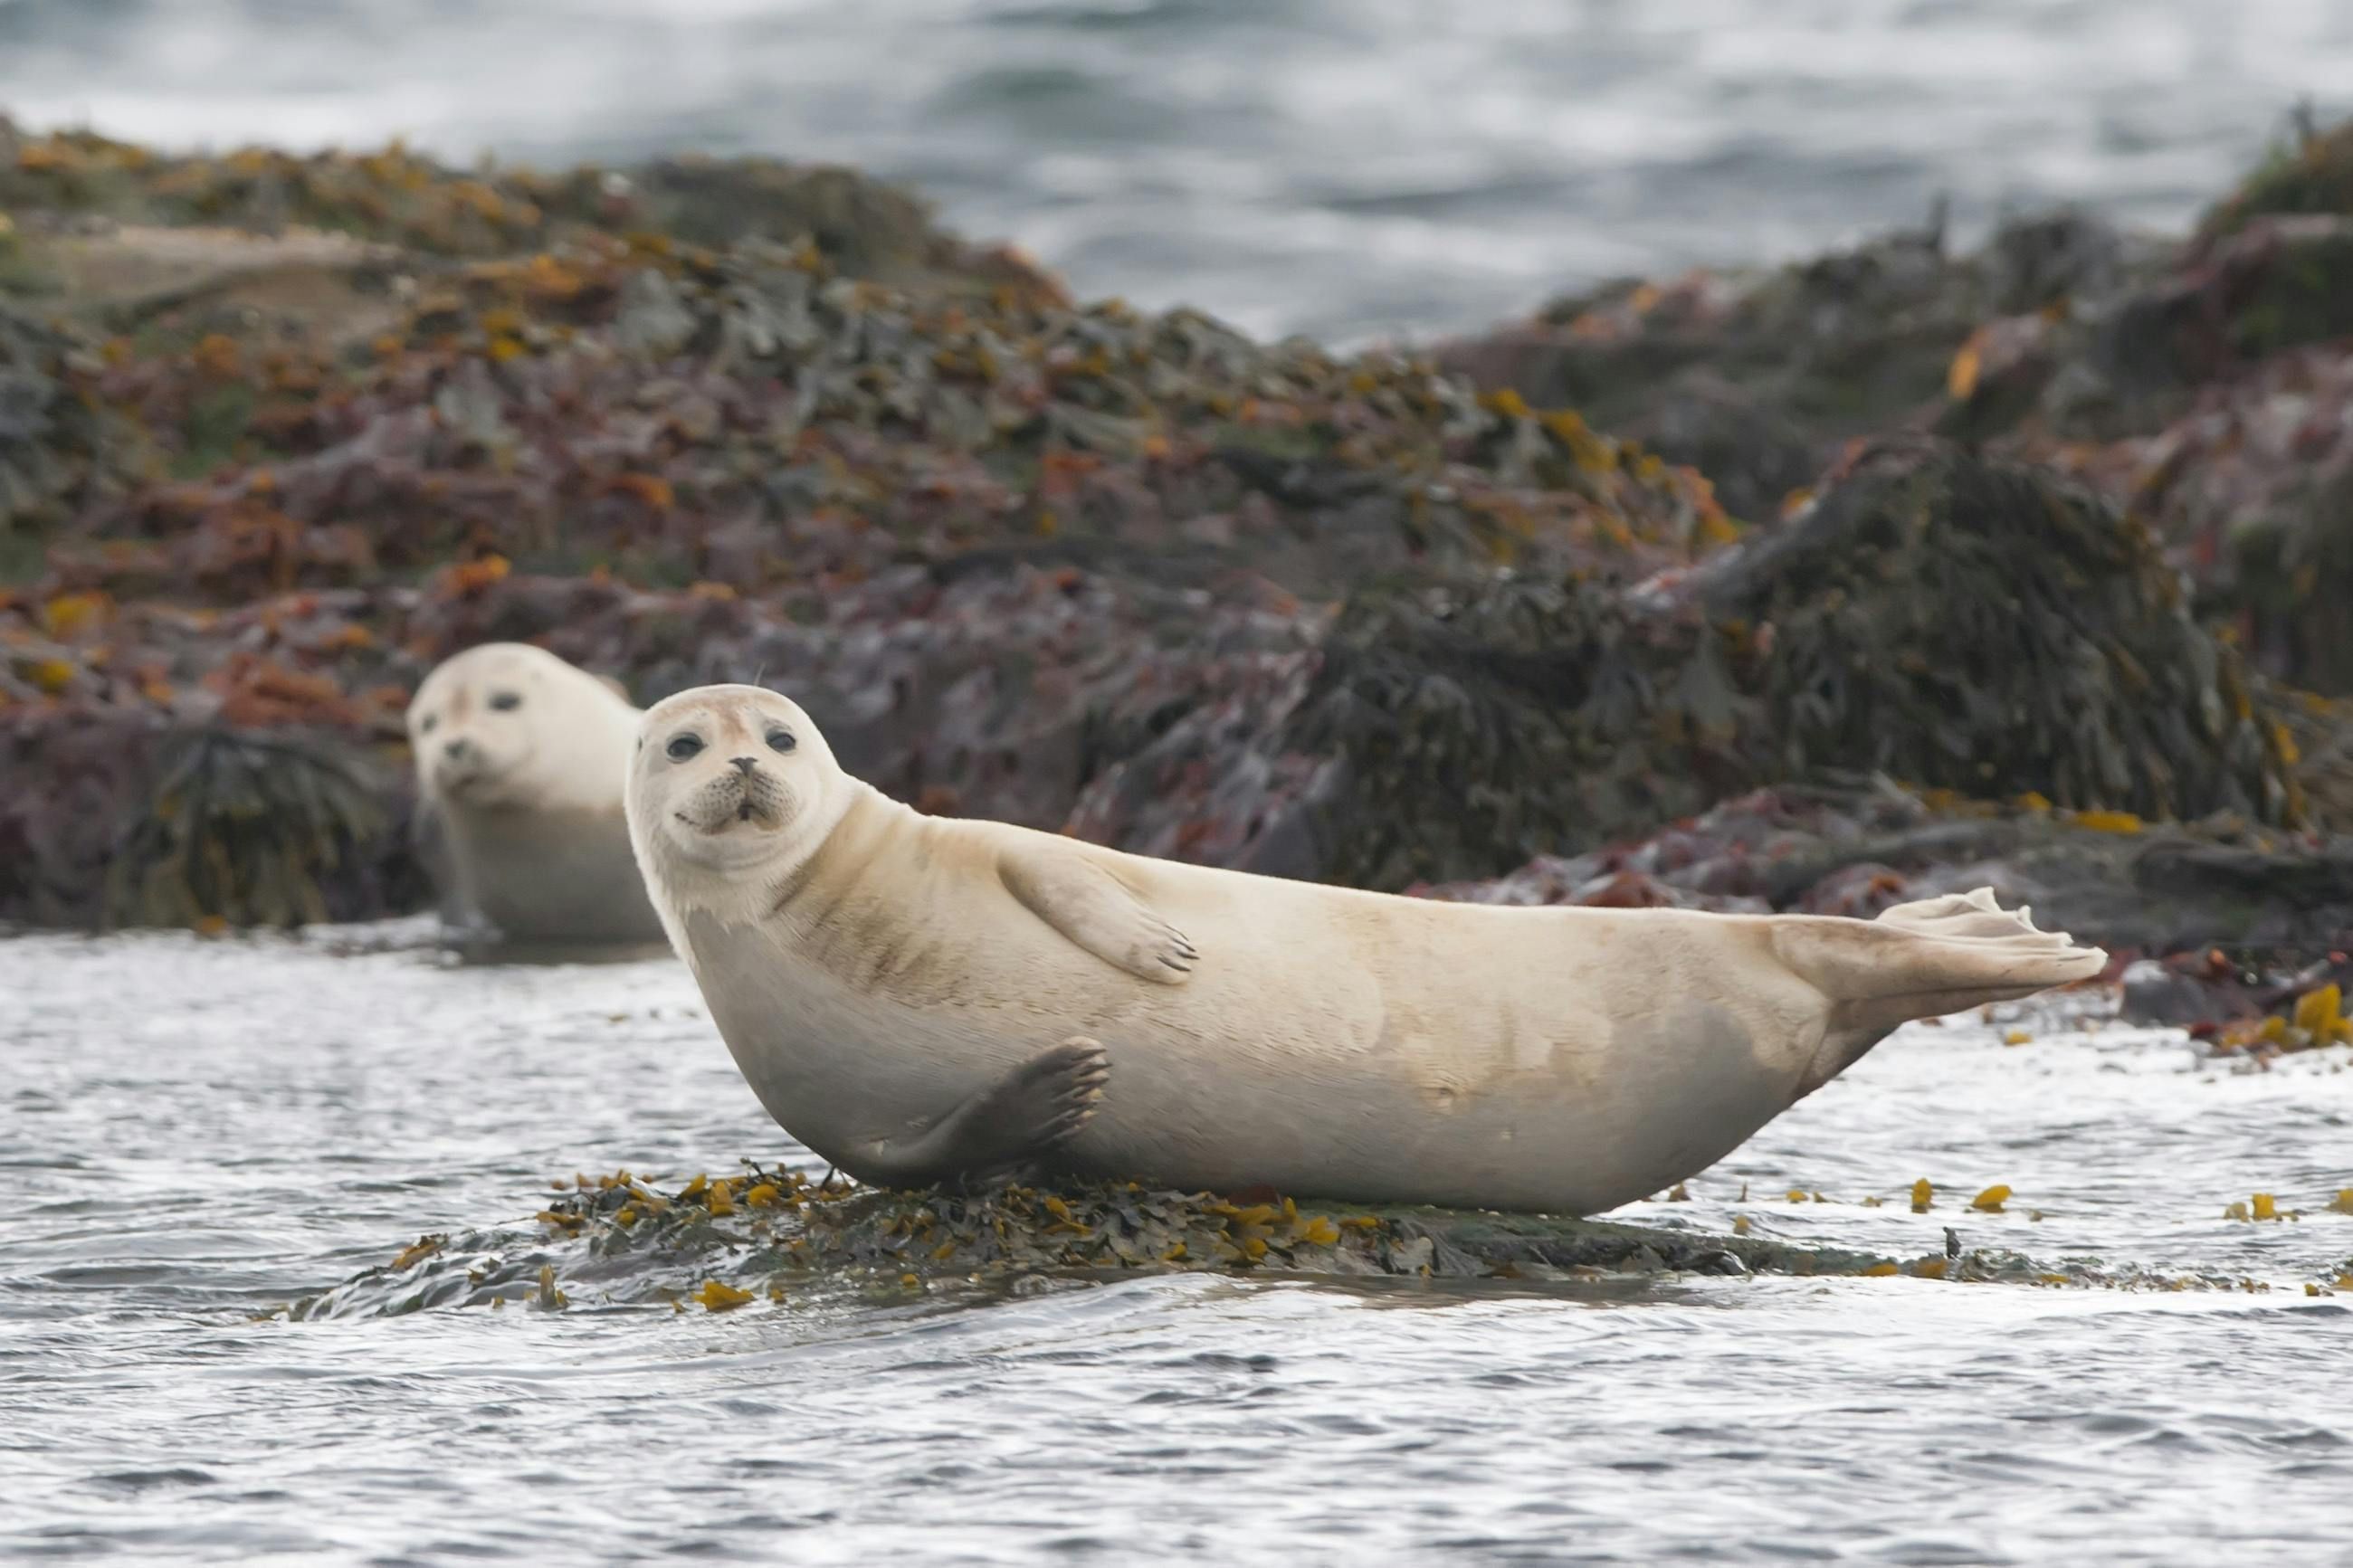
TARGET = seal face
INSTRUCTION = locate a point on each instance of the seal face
(920, 999)
(739, 788)
(520, 759)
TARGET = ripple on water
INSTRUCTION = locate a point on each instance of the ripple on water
(327, 1106)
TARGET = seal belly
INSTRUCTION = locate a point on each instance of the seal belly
(557, 874)
(1449, 1061)
(1455, 1060)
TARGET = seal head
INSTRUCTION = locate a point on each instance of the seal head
(506, 724)
(520, 760)
(732, 789)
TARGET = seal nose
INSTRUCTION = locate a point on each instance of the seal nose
(456, 750)
(744, 764)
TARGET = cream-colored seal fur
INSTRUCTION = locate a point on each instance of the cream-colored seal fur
(520, 760)
(919, 999)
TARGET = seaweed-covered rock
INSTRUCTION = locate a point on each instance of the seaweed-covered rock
(864, 226)
(745, 417)
(1976, 624)
(245, 829)
(2128, 362)
(770, 1240)
(1756, 378)
(2251, 491)
(2311, 173)
(122, 819)
(1130, 575)
(53, 439)
(994, 692)
(997, 690)
(1956, 621)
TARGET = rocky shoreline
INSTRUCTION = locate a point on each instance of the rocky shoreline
(1809, 589)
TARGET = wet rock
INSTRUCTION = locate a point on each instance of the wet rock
(2205, 989)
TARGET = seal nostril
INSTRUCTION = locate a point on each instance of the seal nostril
(744, 764)
(453, 749)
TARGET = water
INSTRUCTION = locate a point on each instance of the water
(1346, 168)
(197, 1131)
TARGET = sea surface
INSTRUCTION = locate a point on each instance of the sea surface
(1351, 169)
(196, 1131)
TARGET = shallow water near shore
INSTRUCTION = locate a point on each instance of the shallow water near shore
(1345, 168)
(197, 1131)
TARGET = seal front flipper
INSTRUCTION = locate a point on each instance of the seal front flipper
(1087, 903)
(1011, 1124)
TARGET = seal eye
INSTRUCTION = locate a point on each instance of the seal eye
(425, 728)
(781, 740)
(506, 701)
(681, 747)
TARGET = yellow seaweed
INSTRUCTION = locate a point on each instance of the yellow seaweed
(717, 1297)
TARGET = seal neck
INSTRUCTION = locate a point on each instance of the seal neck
(866, 824)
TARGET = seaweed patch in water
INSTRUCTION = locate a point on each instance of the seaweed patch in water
(724, 1243)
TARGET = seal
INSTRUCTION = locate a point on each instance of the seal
(921, 1000)
(521, 761)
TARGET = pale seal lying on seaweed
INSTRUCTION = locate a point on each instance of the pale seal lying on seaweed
(520, 759)
(919, 999)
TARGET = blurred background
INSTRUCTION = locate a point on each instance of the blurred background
(1352, 169)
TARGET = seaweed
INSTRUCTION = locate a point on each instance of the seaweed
(244, 829)
(770, 1238)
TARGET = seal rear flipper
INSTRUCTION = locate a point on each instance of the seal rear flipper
(1923, 960)
(1082, 899)
(998, 1133)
